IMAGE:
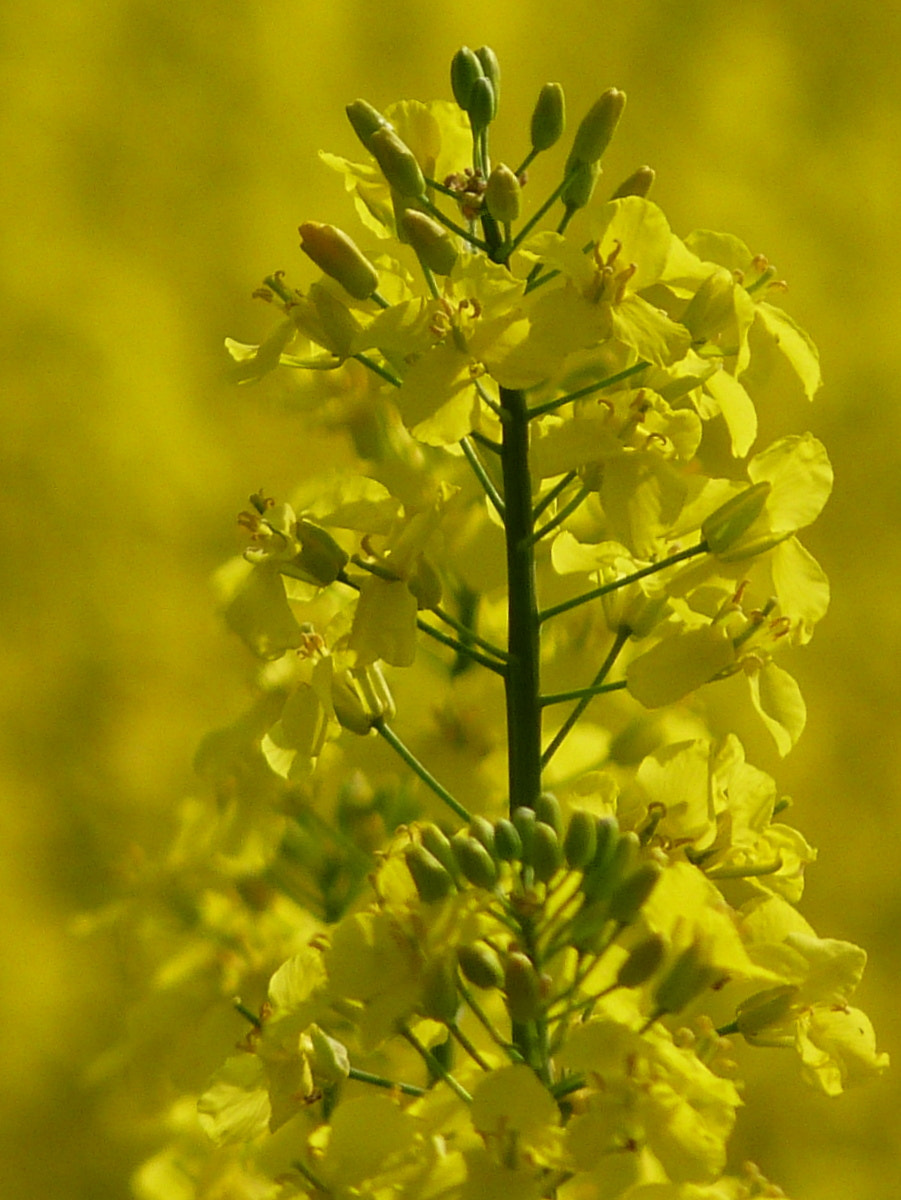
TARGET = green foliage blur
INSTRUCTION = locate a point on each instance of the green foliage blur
(157, 160)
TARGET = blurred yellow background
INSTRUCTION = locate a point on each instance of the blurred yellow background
(156, 161)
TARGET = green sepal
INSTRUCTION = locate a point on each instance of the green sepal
(433, 244)
(492, 69)
(440, 999)
(503, 194)
(482, 104)
(597, 128)
(689, 975)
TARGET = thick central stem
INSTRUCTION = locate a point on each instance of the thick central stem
(523, 672)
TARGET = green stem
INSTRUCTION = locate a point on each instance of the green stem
(578, 693)
(551, 495)
(566, 605)
(540, 409)
(417, 768)
(622, 636)
(460, 647)
(434, 1065)
(408, 1089)
(467, 634)
(377, 369)
(562, 513)
(523, 673)
(482, 475)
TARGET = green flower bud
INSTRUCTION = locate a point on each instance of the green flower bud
(398, 163)
(547, 853)
(689, 975)
(588, 926)
(507, 841)
(483, 831)
(597, 128)
(440, 999)
(639, 183)
(711, 307)
(465, 70)
(321, 558)
(549, 117)
(481, 965)
(580, 187)
(596, 878)
(492, 69)
(503, 194)
(433, 881)
(434, 245)
(438, 844)
(581, 839)
(726, 524)
(365, 120)
(633, 891)
(359, 700)
(522, 988)
(474, 861)
(764, 1009)
(329, 1061)
(524, 820)
(547, 809)
(482, 104)
(642, 962)
(340, 258)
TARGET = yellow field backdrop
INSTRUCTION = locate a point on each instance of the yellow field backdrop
(156, 161)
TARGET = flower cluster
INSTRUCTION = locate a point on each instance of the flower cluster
(542, 496)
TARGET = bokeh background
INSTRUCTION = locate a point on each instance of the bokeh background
(155, 161)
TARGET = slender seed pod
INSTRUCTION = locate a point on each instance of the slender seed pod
(580, 187)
